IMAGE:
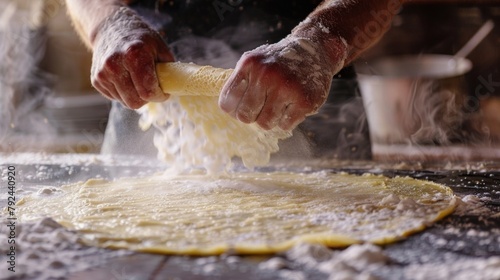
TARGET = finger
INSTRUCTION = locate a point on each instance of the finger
(102, 79)
(252, 102)
(273, 109)
(142, 71)
(292, 116)
(164, 55)
(233, 92)
(146, 82)
(97, 85)
(109, 89)
(127, 91)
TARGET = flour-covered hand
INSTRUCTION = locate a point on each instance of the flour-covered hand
(280, 84)
(125, 53)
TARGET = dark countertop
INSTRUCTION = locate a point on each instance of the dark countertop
(463, 236)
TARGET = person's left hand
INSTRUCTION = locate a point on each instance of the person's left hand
(280, 84)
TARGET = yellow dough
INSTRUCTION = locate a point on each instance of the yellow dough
(247, 213)
(191, 129)
(190, 79)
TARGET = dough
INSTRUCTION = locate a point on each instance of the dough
(192, 131)
(247, 213)
(181, 79)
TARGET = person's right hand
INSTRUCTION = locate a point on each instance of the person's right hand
(125, 52)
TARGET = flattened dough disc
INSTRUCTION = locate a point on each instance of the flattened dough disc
(247, 213)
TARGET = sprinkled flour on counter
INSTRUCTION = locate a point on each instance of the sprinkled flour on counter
(364, 261)
(355, 262)
(367, 261)
(467, 269)
(77, 159)
(56, 251)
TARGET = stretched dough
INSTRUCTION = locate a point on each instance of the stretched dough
(247, 213)
(192, 131)
(180, 79)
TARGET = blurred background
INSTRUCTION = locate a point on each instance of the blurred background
(458, 115)
(48, 104)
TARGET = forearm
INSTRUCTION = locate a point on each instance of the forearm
(359, 23)
(88, 15)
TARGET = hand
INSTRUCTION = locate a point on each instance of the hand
(125, 53)
(281, 84)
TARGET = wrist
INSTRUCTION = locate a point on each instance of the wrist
(331, 45)
(119, 19)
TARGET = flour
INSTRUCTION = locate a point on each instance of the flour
(274, 263)
(367, 261)
(290, 54)
(316, 72)
(323, 28)
(292, 275)
(471, 205)
(307, 45)
(355, 262)
(406, 204)
(193, 133)
(56, 250)
(36, 239)
(68, 160)
(485, 269)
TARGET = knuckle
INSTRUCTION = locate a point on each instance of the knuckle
(101, 76)
(135, 48)
(103, 67)
(252, 58)
(99, 87)
(95, 82)
(136, 51)
(111, 64)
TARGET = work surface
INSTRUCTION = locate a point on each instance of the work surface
(458, 247)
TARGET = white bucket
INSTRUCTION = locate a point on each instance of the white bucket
(413, 99)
